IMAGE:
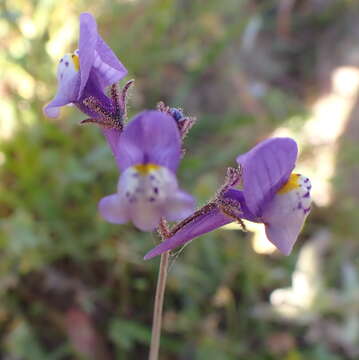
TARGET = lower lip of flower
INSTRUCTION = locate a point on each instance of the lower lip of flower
(297, 192)
(146, 183)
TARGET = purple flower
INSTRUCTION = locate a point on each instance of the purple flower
(270, 194)
(86, 73)
(149, 149)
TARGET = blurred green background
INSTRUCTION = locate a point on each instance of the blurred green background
(75, 287)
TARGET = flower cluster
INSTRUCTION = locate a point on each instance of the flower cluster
(262, 189)
(147, 150)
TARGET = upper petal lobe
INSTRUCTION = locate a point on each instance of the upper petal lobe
(96, 54)
(87, 46)
(265, 169)
(151, 137)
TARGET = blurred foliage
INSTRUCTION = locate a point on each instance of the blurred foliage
(75, 287)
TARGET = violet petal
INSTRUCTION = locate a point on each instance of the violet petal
(238, 196)
(201, 225)
(151, 137)
(113, 209)
(93, 89)
(107, 64)
(96, 54)
(145, 216)
(113, 136)
(265, 169)
(179, 205)
(87, 45)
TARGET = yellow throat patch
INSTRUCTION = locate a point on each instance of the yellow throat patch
(76, 61)
(145, 169)
(291, 184)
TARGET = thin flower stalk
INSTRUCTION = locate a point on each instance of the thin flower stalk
(164, 233)
(158, 307)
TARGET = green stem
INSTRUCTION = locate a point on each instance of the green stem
(158, 307)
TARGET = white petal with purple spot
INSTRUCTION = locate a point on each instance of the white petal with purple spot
(285, 214)
(68, 78)
(147, 192)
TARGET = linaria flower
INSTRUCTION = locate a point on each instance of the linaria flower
(150, 149)
(83, 77)
(86, 72)
(270, 194)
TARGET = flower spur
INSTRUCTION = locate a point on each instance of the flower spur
(149, 153)
(270, 194)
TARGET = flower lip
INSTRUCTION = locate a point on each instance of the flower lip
(145, 183)
(146, 192)
(285, 215)
(68, 77)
